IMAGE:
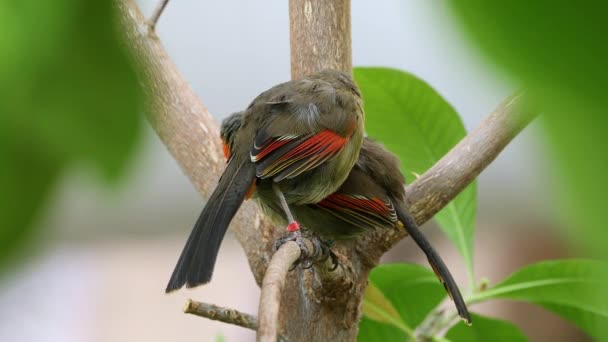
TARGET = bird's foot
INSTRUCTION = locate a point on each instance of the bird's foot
(295, 236)
(322, 251)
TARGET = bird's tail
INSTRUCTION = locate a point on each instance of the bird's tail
(196, 263)
(436, 262)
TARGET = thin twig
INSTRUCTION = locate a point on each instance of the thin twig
(218, 313)
(272, 287)
(158, 11)
(438, 320)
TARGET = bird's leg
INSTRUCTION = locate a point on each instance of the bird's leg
(292, 227)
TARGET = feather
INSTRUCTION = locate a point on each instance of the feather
(288, 156)
(197, 261)
(363, 212)
(441, 270)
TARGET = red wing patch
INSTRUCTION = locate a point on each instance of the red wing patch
(251, 190)
(288, 156)
(259, 152)
(364, 212)
(226, 149)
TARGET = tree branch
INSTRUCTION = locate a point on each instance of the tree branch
(451, 174)
(188, 130)
(272, 287)
(158, 11)
(218, 313)
(319, 35)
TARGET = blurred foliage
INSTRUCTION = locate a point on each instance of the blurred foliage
(69, 95)
(558, 51)
(412, 291)
(485, 329)
(566, 287)
(415, 122)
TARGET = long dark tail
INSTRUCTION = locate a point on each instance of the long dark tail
(436, 262)
(196, 263)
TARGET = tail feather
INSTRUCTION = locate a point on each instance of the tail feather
(436, 262)
(196, 263)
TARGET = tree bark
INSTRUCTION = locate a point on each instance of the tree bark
(316, 305)
(319, 35)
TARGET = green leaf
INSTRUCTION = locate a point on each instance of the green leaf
(566, 287)
(69, 96)
(524, 39)
(440, 339)
(485, 329)
(370, 330)
(408, 290)
(417, 124)
(581, 162)
(378, 308)
(26, 178)
(75, 94)
(557, 51)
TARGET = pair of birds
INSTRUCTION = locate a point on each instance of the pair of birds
(299, 149)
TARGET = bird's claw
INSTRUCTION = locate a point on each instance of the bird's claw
(321, 250)
(326, 252)
(334, 260)
(296, 236)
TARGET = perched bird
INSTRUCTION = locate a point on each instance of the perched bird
(373, 196)
(296, 144)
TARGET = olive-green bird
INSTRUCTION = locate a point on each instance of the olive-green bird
(373, 196)
(296, 144)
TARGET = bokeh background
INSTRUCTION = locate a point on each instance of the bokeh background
(98, 269)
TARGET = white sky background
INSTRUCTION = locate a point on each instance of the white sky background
(230, 51)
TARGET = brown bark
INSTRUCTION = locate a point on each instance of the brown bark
(319, 35)
(218, 313)
(272, 289)
(315, 305)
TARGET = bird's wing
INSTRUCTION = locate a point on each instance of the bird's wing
(289, 155)
(361, 202)
(306, 126)
(363, 212)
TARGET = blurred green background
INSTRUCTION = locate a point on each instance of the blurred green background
(94, 211)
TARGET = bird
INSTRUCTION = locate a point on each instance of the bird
(372, 197)
(296, 144)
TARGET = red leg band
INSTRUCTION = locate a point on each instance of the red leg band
(293, 226)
